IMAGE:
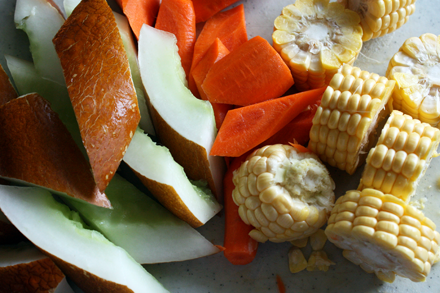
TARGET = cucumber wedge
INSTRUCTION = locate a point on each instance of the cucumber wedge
(88, 258)
(146, 230)
(167, 181)
(41, 20)
(183, 123)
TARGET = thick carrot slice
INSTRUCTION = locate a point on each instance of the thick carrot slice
(240, 247)
(7, 91)
(139, 12)
(296, 130)
(252, 73)
(178, 17)
(216, 52)
(205, 9)
(246, 127)
(229, 26)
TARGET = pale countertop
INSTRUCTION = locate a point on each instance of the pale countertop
(215, 273)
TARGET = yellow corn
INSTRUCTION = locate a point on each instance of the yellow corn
(300, 243)
(401, 156)
(350, 109)
(416, 70)
(315, 37)
(383, 235)
(297, 261)
(380, 17)
(318, 240)
(318, 260)
(272, 196)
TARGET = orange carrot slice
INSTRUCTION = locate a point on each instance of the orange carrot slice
(296, 130)
(229, 26)
(216, 52)
(246, 127)
(240, 248)
(139, 12)
(252, 73)
(205, 9)
(178, 18)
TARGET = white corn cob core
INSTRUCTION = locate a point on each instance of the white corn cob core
(349, 112)
(315, 37)
(383, 235)
(416, 70)
(284, 194)
(401, 156)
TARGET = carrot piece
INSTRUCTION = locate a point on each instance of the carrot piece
(139, 12)
(300, 148)
(216, 52)
(240, 247)
(205, 9)
(7, 91)
(252, 73)
(280, 285)
(296, 130)
(178, 17)
(246, 127)
(229, 26)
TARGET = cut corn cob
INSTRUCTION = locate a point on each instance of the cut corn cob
(401, 156)
(318, 260)
(382, 234)
(315, 37)
(318, 240)
(284, 194)
(344, 125)
(416, 70)
(297, 261)
(380, 17)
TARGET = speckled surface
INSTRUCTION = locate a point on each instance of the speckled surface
(215, 273)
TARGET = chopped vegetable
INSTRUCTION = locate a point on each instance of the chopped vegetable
(89, 44)
(37, 149)
(315, 38)
(381, 17)
(296, 130)
(280, 285)
(318, 240)
(205, 9)
(401, 156)
(178, 17)
(246, 127)
(351, 108)
(383, 235)
(318, 260)
(284, 194)
(252, 73)
(297, 261)
(216, 52)
(139, 12)
(7, 91)
(300, 243)
(415, 68)
(240, 247)
(229, 26)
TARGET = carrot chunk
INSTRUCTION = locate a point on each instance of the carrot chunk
(139, 12)
(296, 130)
(229, 26)
(246, 127)
(205, 9)
(216, 52)
(178, 17)
(252, 73)
(240, 248)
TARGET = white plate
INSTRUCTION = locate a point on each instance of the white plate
(215, 273)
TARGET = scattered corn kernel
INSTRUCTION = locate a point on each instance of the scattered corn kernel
(318, 240)
(297, 261)
(318, 260)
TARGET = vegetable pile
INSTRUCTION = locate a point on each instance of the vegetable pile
(174, 97)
